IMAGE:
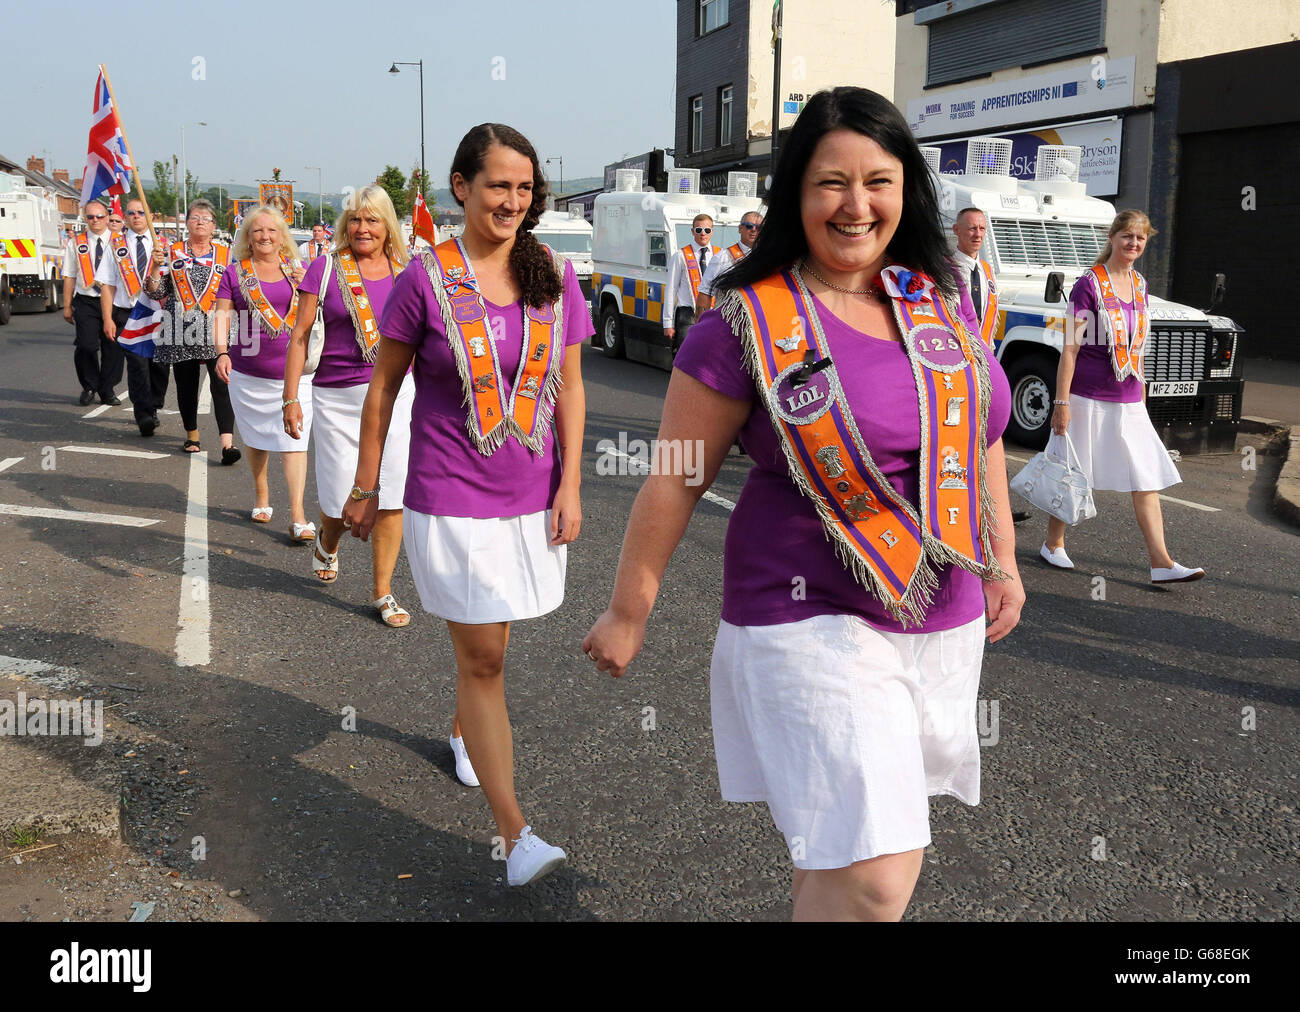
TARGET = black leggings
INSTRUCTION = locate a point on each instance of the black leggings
(188, 377)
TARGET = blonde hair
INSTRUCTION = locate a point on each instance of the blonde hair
(1124, 221)
(375, 199)
(242, 248)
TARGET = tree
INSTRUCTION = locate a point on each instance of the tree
(394, 182)
(311, 213)
(162, 195)
(413, 187)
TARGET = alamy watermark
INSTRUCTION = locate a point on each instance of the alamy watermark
(42, 718)
(681, 457)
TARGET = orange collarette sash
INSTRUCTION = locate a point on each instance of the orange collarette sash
(125, 265)
(84, 263)
(251, 286)
(180, 267)
(989, 325)
(693, 266)
(736, 251)
(352, 289)
(537, 381)
(890, 546)
(1125, 354)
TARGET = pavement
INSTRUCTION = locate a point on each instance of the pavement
(1272, 389)
(1140, 765)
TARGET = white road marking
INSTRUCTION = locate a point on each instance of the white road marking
(49, 675)
(710, 496)
(193, 640)
(9, 462)
(89, 518)
(1166, 498)
(106, 451)
(97, 411)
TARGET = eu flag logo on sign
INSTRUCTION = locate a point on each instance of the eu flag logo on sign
(1070, 89)
(790, 107)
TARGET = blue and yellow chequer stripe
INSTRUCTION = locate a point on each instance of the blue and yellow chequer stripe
(640, 298)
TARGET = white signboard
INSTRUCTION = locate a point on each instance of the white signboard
(1102, 83)
(1100, 141)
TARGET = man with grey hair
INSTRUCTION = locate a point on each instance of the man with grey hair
(750, 223)
(98, 360)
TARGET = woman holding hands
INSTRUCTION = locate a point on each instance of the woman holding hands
(354, 281)
(874, 532)
(492, 492)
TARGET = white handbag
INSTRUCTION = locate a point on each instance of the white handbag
(316, 339)
(1056, 484)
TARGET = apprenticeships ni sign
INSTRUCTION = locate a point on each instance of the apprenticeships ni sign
(1101, 84)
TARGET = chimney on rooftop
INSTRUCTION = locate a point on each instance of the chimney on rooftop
(61, 175)
(35, 164)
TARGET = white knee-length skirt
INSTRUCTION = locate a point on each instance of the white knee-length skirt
(845, 731)
(1118, 446)
(476, 571)
(337, 423)
(257, 402)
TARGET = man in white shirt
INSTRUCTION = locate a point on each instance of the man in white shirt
(684, 274)
(98, 360)
(976, 274)
(319, 244)
(122, 277)
(750, 223)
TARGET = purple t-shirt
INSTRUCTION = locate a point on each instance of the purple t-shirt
(446, 475)
(775, 534)
(253, 350)
(341, 364)
(1094, 376)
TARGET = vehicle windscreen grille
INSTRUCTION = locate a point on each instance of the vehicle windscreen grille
(1176, 354)
(1057, 244)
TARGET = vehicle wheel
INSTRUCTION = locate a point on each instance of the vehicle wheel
(1033, 382)
(611, 332)
(52, 300)
(5, 308)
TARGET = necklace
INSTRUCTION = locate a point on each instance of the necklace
(874, 291)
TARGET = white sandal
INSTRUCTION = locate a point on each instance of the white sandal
(262, 514)
(325, 562)
(303, 532)
(389, 609)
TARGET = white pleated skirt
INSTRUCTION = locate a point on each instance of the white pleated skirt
(260, 415)
(476, 571)
(337, 424)
(1118, 446)
(845, 731)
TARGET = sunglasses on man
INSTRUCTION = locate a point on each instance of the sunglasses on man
(703, 231)
(750, 224)
(96, 217)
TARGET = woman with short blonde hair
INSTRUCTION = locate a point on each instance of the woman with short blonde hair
(262, 286)
(353, 282)
(1100, 400)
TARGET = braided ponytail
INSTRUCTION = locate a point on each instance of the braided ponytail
(540, 279)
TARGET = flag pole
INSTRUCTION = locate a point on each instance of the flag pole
(135, 166)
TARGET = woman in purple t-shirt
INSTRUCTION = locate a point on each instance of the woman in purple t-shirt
(1104, 412)
(259, 292)
(865, 551)
(492, 489)
(361, 270)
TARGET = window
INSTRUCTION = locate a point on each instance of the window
(713, 15)
(697, 123)
(658, 249)
(724, 116)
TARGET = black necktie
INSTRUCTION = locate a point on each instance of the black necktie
(975, 292)
(318, 249)
(140, 258)
(704, 258)
(99, 251)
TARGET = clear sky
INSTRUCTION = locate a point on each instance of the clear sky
(291, 85)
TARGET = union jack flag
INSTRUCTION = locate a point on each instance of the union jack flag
(108, 166)
(140, 331)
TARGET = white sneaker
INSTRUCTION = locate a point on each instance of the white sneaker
(1176, 574)
(531, 858)
(1055, 557)
(464, 770)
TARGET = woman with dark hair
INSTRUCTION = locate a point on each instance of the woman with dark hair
(492, 495)
(873, 535)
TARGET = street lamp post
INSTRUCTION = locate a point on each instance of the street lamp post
(320, 186)
(185, 168)
(393, 70)
(560, 159)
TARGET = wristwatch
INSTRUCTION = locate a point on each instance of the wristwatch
(358, 495)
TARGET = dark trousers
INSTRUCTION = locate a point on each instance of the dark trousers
(683, 320)
(188, 376)
(99, 361)
(145, 379)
